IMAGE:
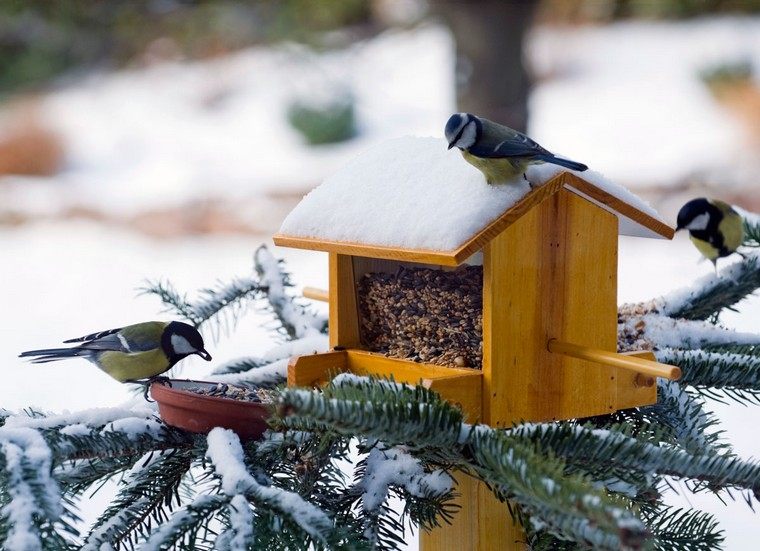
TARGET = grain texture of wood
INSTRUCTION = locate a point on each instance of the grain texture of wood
(552, 274)
(344, 315)
(613, 359)
(404, 371)
(314, 369)
(634, 389)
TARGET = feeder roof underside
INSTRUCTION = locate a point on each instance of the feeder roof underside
(411, 195)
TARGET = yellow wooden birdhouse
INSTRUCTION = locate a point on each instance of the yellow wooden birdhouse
(548, 259)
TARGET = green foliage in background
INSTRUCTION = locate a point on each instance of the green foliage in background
(39, 39)
(323, 124)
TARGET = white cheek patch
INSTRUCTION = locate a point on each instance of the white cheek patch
(699, 223)
(181, 345)
(468, 136)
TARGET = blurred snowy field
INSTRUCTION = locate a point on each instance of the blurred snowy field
(626, 99)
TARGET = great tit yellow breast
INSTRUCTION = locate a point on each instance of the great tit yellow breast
(124, 366)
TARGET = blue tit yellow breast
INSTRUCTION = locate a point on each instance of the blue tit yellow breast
(124, 366)
(497, 171)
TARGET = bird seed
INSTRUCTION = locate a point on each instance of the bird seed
(234, 392)
(424, 315)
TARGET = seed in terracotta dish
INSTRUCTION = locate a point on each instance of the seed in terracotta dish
(235, 392)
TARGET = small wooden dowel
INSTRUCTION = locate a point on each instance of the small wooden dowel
(613, 359)
(316, 294)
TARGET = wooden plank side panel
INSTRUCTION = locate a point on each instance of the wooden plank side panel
(552, 274)
(344, 316)
(588, 313)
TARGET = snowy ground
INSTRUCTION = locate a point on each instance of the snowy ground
(625, 99)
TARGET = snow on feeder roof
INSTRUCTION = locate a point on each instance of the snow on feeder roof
(412, 199)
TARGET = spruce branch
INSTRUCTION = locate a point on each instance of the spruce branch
(619, 447)
(709, 295)
(717, 375)
(419, 419)
(296, 320)
(677, 529)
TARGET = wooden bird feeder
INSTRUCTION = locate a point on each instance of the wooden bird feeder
(549, 328)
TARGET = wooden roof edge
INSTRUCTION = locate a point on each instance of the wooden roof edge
(423, 256)
(618, 205)
(476, 243)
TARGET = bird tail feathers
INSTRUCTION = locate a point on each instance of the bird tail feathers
(567, 163)
(52, 354)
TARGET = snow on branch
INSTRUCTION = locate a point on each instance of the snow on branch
(296, 320)
(712, 293)
(34, 500)
(386, 467)
(226, 454)
(655, 331)
(184, 521)
(717, 374)
(265, 375)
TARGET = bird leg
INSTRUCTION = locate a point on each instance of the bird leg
(149, 381)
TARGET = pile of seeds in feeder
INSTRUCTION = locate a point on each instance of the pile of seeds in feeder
(424, 315)
(234, 392)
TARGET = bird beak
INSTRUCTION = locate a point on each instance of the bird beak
(205, 355)
(450, 146)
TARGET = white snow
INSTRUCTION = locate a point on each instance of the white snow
(303, 322)
(388, 467)
(412, 192)
(275, 372)
(226, 454)
(299, 347)
(662, 331)
(679, 298)
(241, 523)
(94, 417)
(24, 449)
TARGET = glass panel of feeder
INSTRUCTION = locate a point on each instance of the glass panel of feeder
(422, 313)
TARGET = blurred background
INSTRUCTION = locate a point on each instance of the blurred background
(167, 139)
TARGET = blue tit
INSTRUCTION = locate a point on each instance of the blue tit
(128, 354)
(715, 228)
(500, 153)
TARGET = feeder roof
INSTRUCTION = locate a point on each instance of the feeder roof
(412, 199)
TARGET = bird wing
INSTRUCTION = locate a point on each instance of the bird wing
(139, 337)
(499, 141)
(519, 145)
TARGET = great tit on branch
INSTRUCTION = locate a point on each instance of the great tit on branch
(715, 228)
(131, 353)
(500, 153)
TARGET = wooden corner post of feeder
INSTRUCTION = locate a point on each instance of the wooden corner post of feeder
(549, 328)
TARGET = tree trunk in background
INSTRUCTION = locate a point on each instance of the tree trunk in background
(491, 76)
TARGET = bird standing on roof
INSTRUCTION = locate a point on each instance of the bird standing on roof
(715, 228)
(500, 153)
(131, 353)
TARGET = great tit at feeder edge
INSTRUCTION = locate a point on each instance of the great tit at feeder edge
(131, 353)
(500, 153)
(715, 228)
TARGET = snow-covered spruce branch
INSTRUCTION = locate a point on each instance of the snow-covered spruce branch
(296, 320)
(150, 487)
(681, 420)
(578, 444)
(394, 470)
(712, 293)
(717, 375)
(568, 505)
(183, 529)
(226, 298)
(655, 331)
(227, 458)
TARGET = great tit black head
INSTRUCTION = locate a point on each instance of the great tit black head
(180, 340)
(462, 130)
(696, 215)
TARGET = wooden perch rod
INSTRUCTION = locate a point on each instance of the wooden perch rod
(613, 359)
(316, 294)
